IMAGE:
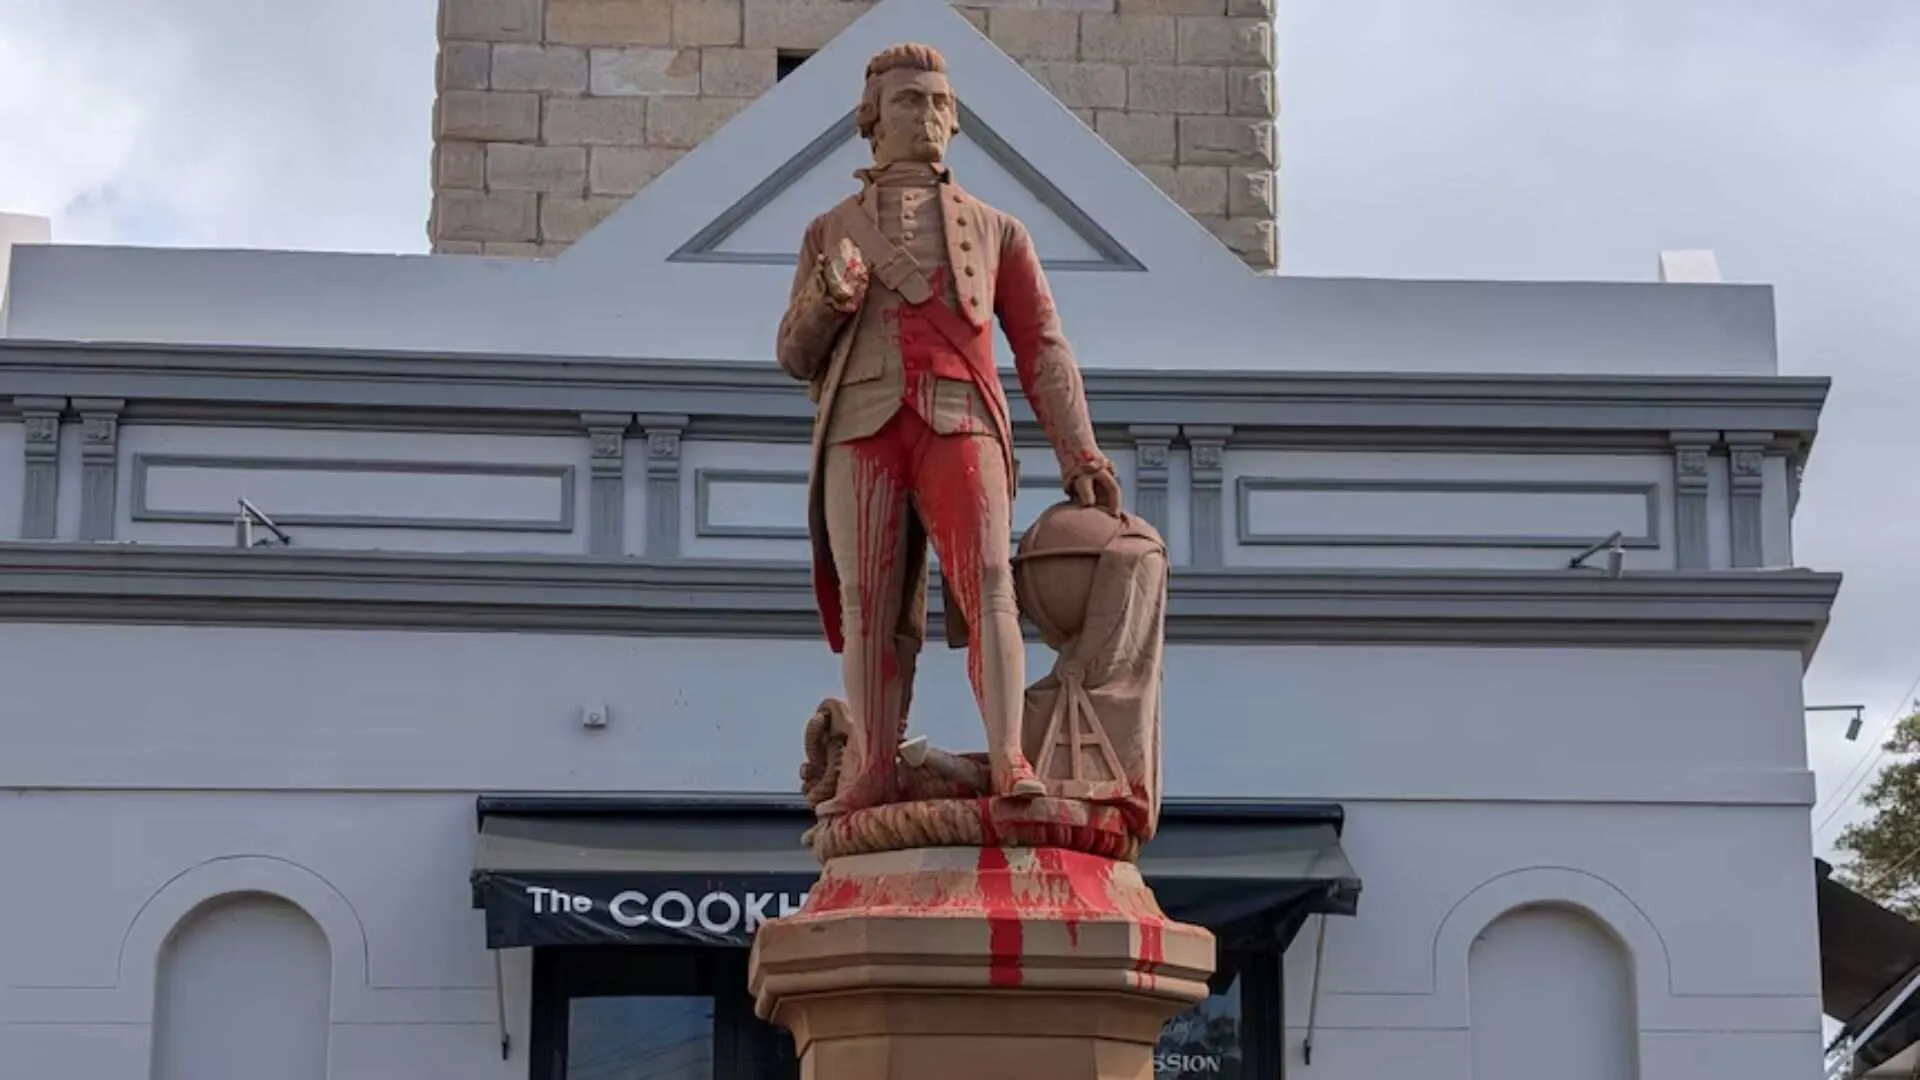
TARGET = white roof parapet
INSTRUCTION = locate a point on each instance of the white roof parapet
(1692, 267)
(18, 229)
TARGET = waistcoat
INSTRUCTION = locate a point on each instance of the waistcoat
(898, 359)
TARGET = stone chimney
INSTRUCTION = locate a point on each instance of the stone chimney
(551, 112)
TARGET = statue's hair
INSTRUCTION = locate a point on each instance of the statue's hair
(912, 56)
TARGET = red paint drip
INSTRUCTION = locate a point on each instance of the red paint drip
(1005, 935)
(879, 483)
(1072, 869)
(989, 828)
(1153, 952)
(836, 894)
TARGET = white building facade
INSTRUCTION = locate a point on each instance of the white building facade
(534, 589)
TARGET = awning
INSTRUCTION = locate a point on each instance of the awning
(1867, 954)
(568, 870)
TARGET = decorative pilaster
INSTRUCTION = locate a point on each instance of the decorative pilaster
(99, 464)
(40, 487)
(663, 484)
(1747, 453)
(1691, 451)
(1207, 507)
(1152, 446)
(607, 491)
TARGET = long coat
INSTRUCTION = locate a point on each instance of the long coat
(995, 271)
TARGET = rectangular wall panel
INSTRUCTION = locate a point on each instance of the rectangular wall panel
(749, 500)
(752, 504)
(356, 494)
(1445, 509)
(1446, 513)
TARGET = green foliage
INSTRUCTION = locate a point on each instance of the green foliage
(1885, 850)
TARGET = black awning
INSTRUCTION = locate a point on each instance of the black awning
(1867, 955)
(582, 870)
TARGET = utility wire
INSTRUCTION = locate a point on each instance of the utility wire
(1870, 759)
(1885, 876)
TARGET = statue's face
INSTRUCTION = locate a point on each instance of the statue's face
(917, 116)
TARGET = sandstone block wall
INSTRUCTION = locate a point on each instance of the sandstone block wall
(551, 112)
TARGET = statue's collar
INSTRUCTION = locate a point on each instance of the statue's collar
(905, 174)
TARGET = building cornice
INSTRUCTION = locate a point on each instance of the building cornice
(325, 387)
(127, 584)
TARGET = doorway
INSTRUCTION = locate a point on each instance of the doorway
(661, 1013)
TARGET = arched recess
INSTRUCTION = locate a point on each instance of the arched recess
(243, 989)
(172, 903)
(1550, 989)
(1549, 885)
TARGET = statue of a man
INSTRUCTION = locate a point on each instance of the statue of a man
(890, 325)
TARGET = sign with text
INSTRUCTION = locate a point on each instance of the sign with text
(537, 907)
(1202, 1043)
(638, 909)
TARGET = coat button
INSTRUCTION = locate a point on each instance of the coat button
(968, 270)
(966, 245)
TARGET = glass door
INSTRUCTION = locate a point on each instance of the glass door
(625, 1012)
(638, 1013)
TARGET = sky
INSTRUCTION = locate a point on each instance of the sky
(1464, 139)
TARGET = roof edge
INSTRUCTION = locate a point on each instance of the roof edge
(102, 583)
(747, 804)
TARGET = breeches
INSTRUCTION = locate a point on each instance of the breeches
(958, 486)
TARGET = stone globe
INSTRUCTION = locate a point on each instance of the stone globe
(1053, 569)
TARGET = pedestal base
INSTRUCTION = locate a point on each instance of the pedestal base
(966, 963)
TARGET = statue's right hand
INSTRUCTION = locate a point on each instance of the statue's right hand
(843, 276)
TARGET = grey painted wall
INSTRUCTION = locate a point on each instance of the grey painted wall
(1380, 490)
(1556, 977)
(336, 767)
(387, 874)
(244, 991)
(393, 710)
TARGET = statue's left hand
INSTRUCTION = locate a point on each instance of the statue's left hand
(1098, 487)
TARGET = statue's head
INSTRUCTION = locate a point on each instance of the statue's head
(907, 111)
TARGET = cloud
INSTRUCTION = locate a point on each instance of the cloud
(1527, 139)
(219, 122)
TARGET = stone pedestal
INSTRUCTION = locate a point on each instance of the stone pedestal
(957, 963)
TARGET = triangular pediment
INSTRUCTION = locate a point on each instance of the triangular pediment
(744, 196)
(761, 227)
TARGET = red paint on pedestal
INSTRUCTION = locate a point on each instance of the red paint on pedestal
(1006, 938)
(832, 893)
(1153, 952)
(1010, 886)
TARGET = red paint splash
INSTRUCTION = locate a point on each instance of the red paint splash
(878, 484)
(945, 477)
(926, 355)
(1049, 886)
(1006, 936)
(1153, 952)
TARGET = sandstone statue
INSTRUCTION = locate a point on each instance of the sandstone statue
(977, 914)
(890, 325)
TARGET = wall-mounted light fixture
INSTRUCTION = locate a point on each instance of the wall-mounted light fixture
(1616, 555)
(1853, 722)
(251, 516)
